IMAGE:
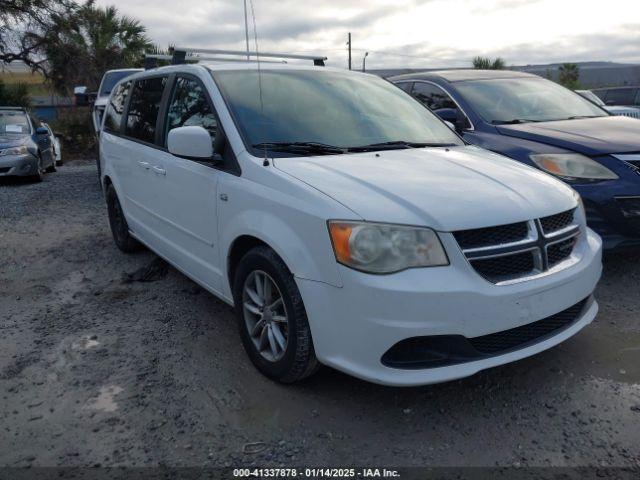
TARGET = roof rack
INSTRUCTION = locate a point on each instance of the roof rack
(180, 55)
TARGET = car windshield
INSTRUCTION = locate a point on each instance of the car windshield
(110, 79)
(15, 123)
(521, 100)
(327, 110)
(589, 95)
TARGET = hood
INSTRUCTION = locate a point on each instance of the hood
(445, 189)
(7, 141)
(589, 136)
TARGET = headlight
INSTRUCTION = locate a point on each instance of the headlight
(14, 151)
(382, 248)
(572, 167)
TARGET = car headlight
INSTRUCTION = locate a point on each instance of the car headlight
(383, 248)
(21, 150)
(572, 167)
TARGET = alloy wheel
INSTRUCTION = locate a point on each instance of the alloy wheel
(265, 315)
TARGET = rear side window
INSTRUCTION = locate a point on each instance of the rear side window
(620, 96)
(432, 96)
(115, 109)
(143, 108)
(189, 106)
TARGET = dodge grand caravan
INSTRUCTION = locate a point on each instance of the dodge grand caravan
(347, 224)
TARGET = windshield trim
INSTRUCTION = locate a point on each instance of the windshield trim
(260, 153)
(528, 79)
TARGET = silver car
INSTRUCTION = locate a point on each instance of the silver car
(25, 146)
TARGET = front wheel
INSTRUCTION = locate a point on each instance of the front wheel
(272, 319)
(38, 177)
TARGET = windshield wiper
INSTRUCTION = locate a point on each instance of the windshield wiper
(577, 117)
(397, 145)
(300, 147)
(514, 121)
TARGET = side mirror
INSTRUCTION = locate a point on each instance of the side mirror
(193, 143)
(42, 131)
(447, 114)
(453, 117)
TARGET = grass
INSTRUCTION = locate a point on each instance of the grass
(34, 81)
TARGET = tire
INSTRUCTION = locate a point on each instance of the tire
(98, 162)
(118, 223)
(297, 360)
(38, 177)
(52, 168)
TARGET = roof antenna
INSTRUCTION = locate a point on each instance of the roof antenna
(255, 38)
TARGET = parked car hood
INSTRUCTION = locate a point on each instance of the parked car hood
(590, 136)
(7, 141)
(446, 189)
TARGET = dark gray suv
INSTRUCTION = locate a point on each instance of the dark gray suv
(25, 146)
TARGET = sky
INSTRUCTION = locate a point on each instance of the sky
(403, 33)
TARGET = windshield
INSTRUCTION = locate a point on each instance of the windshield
(110, 79)
(521, 100)
(328, 109)
(14, 123)
(589, 95)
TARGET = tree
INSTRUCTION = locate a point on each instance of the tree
(485, 63)
(568, 75)
(80, 47)
(18, 18)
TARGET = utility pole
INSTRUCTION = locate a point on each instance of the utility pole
(246, 27)
(349, 44)
(364, 61)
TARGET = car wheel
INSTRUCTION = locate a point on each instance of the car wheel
(272, 319)
(98, 162)
(118, 223)
(51, 168)
(38, 177)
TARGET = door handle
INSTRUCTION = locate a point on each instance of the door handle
(159, 170)
(145, 165)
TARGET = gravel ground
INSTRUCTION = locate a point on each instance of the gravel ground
(100, 368)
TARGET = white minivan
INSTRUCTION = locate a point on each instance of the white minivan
(347, 224)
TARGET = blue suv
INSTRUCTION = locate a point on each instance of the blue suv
(542, 124)
(25, 146)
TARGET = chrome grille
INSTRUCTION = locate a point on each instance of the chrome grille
(544, 244)
(628, 114)
(484, 237)
(557, 222)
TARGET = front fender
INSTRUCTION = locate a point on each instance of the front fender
(306, 250)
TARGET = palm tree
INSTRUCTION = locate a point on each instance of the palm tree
(569, 74)
(79, 48)
(485, 63)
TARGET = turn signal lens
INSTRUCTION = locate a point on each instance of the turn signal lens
(383, 248)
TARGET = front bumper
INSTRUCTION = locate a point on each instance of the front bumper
(355, 325)
(608, 207)
(18, 165)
